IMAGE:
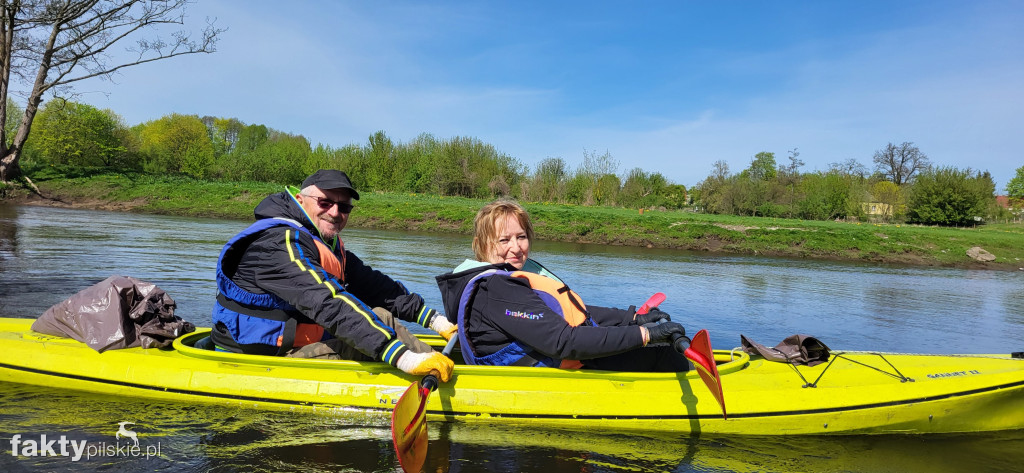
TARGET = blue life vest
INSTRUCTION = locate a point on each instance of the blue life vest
(252, 318)
(556, 295)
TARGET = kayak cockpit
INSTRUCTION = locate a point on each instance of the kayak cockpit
(198, 344)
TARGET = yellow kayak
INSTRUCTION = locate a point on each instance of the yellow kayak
(853, 393)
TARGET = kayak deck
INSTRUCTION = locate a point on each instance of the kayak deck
(855, 393)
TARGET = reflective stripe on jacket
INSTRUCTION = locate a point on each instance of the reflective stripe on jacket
(266, 319)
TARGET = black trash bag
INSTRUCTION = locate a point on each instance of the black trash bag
(795, 349)
(118, 312)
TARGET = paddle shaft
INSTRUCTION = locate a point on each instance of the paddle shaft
(429, 382)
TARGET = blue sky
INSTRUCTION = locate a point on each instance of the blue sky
(670, 87)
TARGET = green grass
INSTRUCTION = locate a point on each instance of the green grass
(887, 243)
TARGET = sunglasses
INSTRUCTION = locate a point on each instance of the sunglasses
(325, 204)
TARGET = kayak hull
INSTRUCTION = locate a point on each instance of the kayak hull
(856, 393)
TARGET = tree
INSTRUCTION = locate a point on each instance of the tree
(850, 167)
(1015, 188)
(789, 179)
(641, 189)
(78, 135)
(949, 196)
(755, 196)
(13, 114)
(177, 144)
(713, 189)
(224, 133)
(51, 44)
(795, 163)
(762, 167)
(900, 163)
(549, 180)
(583, 187)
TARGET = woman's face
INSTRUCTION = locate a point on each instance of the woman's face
(511, 244)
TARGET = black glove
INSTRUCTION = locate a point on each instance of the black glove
(653, 315)
(663, 332)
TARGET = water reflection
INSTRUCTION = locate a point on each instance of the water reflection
(214, 438)
(8, 234)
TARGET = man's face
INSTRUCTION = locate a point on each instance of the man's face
(329, 209)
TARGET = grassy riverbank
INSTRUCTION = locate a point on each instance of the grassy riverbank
(883, 243)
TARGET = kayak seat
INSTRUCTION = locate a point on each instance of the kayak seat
(204, 343)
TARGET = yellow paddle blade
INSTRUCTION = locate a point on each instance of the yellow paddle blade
(409, 428)
(699, 352)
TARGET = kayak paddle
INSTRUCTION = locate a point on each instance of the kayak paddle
(409, 420)
(651, 303)
(699, 352)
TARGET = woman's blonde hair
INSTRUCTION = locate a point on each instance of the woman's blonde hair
(485, 225)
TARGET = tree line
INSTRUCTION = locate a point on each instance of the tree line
(903, 187)
(78, 135)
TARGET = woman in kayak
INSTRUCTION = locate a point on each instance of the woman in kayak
(512, 311)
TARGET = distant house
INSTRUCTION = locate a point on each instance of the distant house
(1003, 201)
(876, 209)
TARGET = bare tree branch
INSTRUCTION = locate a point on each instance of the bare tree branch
(52, 44)
(900, 163)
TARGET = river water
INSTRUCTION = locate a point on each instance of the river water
(48, 254)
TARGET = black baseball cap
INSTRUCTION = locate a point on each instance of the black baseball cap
(330, 179)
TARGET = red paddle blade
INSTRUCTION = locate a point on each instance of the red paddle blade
(651, 303)
(409, 428)
(699, 352)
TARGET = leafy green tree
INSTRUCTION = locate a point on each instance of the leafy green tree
(12, 119)
(675, 196)
(81, 135)
(828, 196)
(607, 190)
(1015, 188)
(584, 186)
(379, 166)
(713, 189)
(762, 167)
(250, 138)
(224, 133)
(949, 196)
(642, 189)
(177, 144)
(548, 183)
(755, 196)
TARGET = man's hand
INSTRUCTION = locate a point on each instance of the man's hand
(661, 333)
(421, 364)
(653, 315)
(442, 326)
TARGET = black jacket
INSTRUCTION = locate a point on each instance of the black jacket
(268, 266)
(490, 327)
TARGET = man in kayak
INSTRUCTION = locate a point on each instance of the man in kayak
(513, 311)
(287, 286)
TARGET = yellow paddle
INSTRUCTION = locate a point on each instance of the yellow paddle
(409, 419)
(699, 352)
